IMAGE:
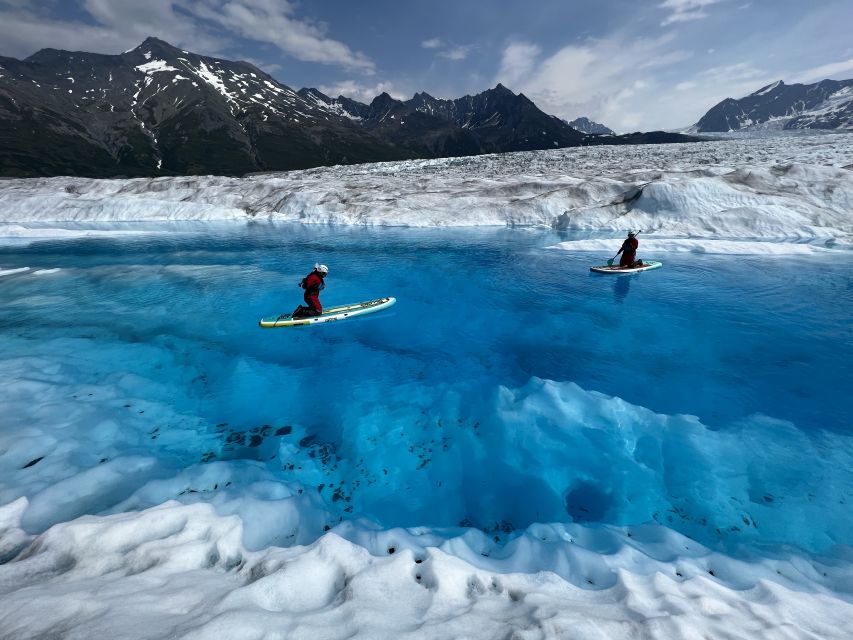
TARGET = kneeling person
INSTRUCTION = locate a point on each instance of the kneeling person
(629, 252)
(313, 284)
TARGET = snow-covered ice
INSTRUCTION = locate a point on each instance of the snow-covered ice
(796, 188)
(731, 247)
(9, 272)
(180, 571)
(18, 233)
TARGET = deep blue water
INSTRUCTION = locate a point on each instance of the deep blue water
(473, 400)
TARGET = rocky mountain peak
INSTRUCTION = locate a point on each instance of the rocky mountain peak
(384, 102)
(827, 104)
(585, 125)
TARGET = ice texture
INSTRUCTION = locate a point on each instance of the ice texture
(181, 571)
(796, 187)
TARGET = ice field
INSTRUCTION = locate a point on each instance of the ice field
(517, 449)
(794, 187)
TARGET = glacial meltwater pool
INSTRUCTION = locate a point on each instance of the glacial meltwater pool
(507, 386)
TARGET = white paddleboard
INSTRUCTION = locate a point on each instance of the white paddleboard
(616, 269)
(331, 314)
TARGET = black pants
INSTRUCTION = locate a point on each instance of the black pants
(305, 312)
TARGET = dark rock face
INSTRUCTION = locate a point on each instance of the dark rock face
(585, 125)
(160, 110)
(825, 105)
(502, 120)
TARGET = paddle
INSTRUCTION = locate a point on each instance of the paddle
(610, 262)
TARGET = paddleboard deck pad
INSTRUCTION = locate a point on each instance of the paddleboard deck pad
(331, 314)
(616, 269)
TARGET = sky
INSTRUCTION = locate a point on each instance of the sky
(630, 64)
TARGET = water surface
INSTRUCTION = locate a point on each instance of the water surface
(485, 397)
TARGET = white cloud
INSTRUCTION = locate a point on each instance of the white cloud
(685, 10)
(733, 74)
(121, 24)
(446, 50)
(118, 26)
(841, 70)
(664, 59)
(600, 79)
(517, 62)
(273, 21)
(627, 84)
(361, 92)
(456, 53)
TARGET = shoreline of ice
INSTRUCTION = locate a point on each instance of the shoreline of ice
(649, 246)
(796, 189)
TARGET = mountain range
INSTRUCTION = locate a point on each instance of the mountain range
(161, 110)
(827, 104)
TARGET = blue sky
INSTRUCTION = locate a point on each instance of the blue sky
(633, 65)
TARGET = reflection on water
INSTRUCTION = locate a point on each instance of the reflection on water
(621, 288)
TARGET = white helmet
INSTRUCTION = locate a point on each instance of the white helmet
(320, 268)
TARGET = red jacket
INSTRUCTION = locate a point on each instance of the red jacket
(312, 285)
(629, 252)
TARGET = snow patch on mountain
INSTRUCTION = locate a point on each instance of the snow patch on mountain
(154, 66)
(823, 105)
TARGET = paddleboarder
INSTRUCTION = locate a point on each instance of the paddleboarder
(313, 284)
(629, 251)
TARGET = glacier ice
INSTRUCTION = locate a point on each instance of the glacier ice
(797, 188)
(126, 512)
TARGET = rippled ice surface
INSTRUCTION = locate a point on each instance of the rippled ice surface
(507, 386)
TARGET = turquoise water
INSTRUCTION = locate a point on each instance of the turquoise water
(507, 386)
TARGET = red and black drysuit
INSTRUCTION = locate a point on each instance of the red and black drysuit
(313, 284)
(629, 252)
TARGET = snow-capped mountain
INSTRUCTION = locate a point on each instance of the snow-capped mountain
(157, 108)
(824, 105)
(492, 121)
(160, 110)
(585, 125)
